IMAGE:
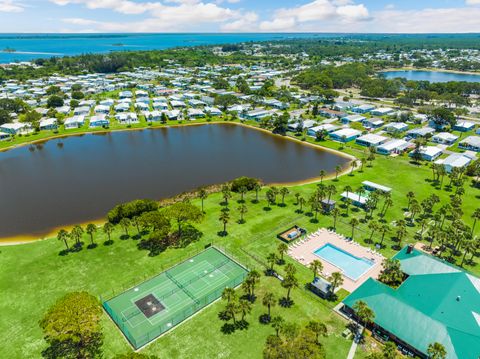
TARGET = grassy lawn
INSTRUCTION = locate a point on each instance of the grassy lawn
(34, 276)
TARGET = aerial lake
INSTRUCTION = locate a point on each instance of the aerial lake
(79, 179)
(431, 76)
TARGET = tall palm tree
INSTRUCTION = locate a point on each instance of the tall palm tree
(63, 236)
(317, 267)
(125, 224)
(338, 169)
(353, 166)
(242, 209)
(322, 175)
(354, 223)
(301, 202)
(283, 192)
(331, 190)
(77, 233)
(108, 229)
(364, 313)
(384, 229)
(242, 190)
(348, 203)
(436, 351)
(272, 259)
(410, 197)
(91, 229)
(475, 216)
(226, 193)
(229, 294)
(373, 226)
(282, 248)
(278, 323)
(348, 189)
(335, 212)
(202, 194)
(269, 301)
(257, 189)
(244, 307)
(336, 280)
(224, 218)
(288, 283)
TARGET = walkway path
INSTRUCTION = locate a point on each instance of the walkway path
(353, 348)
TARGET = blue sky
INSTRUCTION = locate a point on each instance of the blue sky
(395, 16)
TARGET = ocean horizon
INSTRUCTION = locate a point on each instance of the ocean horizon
(18, 47)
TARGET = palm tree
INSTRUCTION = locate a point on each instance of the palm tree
(269, 301)
(282, 248)
(288, 283)
(278, 323)
(229, 295)
(202, 194)
(475, 216)
(252, 278)
(108, 229)
(336, 280)
(297, 196)
(77, 233)
(257, 189)
(335, 212)
(331, 190)
(410, 197)
(224, 218)
(348, 202)
(242, 190)
(272, 259)
(63, 236)
(125, 224)
(283, 192)
(388, 203)
(373, 226)
(244, 307)
(362, 163)
(270, 196)
(415, 209)
(242, 210)
(91, 229)
(354, 223)
(364, 313)
(348, 189)
(354, 165)
(232, 309)
(436, 351)
(322, 175)
(318, 329)
(301, 202)
(317, 267)
(226, 194)
(384, 229)
(338, 169)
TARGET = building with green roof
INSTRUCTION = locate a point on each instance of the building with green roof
(438, 302)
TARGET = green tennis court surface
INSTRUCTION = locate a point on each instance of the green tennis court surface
(150, 309)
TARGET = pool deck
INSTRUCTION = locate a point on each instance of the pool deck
(303, 252)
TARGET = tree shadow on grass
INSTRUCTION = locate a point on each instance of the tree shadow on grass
(92, 246)
(227, 328)
(222, 233)
(267, 209)
(286, 302)
(108, 243)
(124, 237)
(64, 252)
(264, 319)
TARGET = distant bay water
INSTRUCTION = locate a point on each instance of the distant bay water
(27, 47)
(431, 76)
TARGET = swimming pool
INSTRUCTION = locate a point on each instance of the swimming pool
(351, 266)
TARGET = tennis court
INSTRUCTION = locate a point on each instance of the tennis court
(151, 308)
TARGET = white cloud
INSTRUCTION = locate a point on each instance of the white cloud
(317, 12)
(248, 22)
(472, 2)
(10, 6)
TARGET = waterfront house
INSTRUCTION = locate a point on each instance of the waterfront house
(194, 113)
(470, 143)
(372, 186)
(396, 127)
(352, 118)
(363, 108)
(444, 138)
(213, 111)
(393, 146)
(371, 140)
(455, 160)
(429, 153)
(48, 124)
(345, 135)
(256, 114)
(357, 199)
(15, 128)
(328, 127)
(464, 126)
(99, 121)
(151, 116)
(127, 117)
(4, 135)
(74, 122)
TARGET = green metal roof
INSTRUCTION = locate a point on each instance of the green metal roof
(437, 303)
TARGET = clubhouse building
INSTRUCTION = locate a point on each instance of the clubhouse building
(437, 302)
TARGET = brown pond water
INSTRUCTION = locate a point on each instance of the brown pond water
(79, 179)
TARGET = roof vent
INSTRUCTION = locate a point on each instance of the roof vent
(458, 298)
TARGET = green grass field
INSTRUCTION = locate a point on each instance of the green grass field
(34, 276)
(173, 295)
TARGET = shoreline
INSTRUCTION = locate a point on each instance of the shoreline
(27, 239)
(429, 69)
